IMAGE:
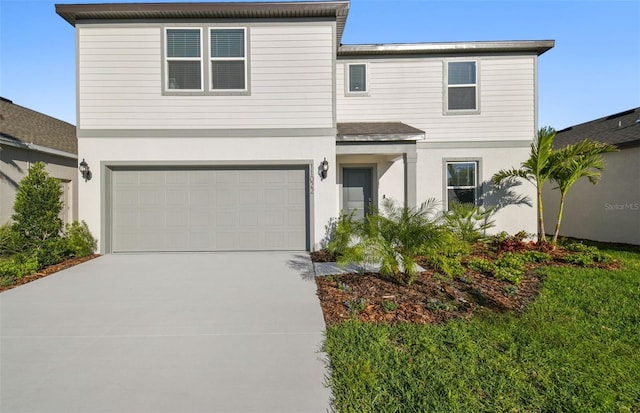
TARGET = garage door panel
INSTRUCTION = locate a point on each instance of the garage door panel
(209, 210)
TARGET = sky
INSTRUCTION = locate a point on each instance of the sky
(593, 70)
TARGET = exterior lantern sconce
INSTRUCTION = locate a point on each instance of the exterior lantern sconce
(84, 170)
(324, 168)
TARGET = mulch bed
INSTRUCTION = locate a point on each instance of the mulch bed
(49, 270)
(431, 299)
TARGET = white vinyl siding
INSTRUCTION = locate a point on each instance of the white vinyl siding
(120, 79)
(410, 90)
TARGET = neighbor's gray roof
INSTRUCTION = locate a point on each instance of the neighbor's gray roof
(218, 10)
(377, 131)
(26, 126)
(621, 129)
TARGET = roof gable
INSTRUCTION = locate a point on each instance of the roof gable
(27, 126)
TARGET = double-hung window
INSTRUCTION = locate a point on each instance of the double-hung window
(228, 60)
(183, 59)
(357, 78)
(462, 87)
(462, 182)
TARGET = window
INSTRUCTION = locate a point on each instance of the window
(184, 60)
(228, 59)
(461, 182)
(461, 86)
(357, 78)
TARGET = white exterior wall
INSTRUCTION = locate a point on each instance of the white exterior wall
(432, 184)
(411, 90)
(290, 80)
(608, 211)
(211, 151)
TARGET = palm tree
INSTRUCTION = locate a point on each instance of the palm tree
(579, 160)
(537, 170)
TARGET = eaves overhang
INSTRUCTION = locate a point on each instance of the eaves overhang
(337, 10)
(377, 132)
(512, 46)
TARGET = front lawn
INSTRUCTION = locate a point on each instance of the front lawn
(576, 348)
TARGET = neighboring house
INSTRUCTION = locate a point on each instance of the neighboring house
(610, 210)
(206, 125)
(26, 137)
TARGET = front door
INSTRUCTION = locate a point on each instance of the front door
(357, 191)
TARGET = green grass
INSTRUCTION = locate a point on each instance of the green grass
(575, 349)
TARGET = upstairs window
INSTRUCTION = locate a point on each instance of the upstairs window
(184, 60)
(228, 60)
(462, 86)
(357, 78)
(462, 187)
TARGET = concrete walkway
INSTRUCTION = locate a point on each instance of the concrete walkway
(219, 332)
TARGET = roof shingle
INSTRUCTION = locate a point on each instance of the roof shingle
(27, 126)
(621, 129)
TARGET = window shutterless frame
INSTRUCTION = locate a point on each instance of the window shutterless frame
(356, 79)
(228, 63)
(461, 87)
(183, 59)
(461, 182)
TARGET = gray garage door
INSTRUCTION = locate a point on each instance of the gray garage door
(209, 209)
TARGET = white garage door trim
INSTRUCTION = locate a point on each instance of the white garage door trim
(285, 187)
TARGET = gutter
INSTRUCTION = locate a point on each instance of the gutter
(37, 148)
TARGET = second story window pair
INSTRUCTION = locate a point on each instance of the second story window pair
(224, 60)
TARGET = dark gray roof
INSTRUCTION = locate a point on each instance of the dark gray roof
(27, 126)
(213, 10)
(621, 129)
(377, 131)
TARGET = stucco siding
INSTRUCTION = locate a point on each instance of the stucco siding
(184, 151)
(511, 218)
(14, 166)
(290, 81)
(608, 211)
(411, 90)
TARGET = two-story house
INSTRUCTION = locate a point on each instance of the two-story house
(250, 126)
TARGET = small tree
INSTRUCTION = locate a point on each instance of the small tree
(537, 170)
(580, 160)
(37, 208)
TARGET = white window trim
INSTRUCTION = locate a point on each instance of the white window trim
(187, 59)
(446, 85)
(347, 79)
(245, 59)
(446, 186)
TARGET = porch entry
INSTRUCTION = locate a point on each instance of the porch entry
(357, 191)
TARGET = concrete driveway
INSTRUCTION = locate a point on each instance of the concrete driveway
(218, 332)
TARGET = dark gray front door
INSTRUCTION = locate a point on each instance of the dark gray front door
(357, 191)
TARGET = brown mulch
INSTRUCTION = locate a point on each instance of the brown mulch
(49, 270)
(432, 298)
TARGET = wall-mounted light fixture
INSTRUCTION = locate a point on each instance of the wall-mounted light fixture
(84, 170)
(324, 168)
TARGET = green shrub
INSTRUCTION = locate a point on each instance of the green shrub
(482, 266)
(450, 266)
(52, 251)
(37, 208)
(536, 256)
(80, 242)
(18, 266)
(10, 241)
(389, 306)
(469, 222)
(345, 230)
(356, 306)
(584, 255)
